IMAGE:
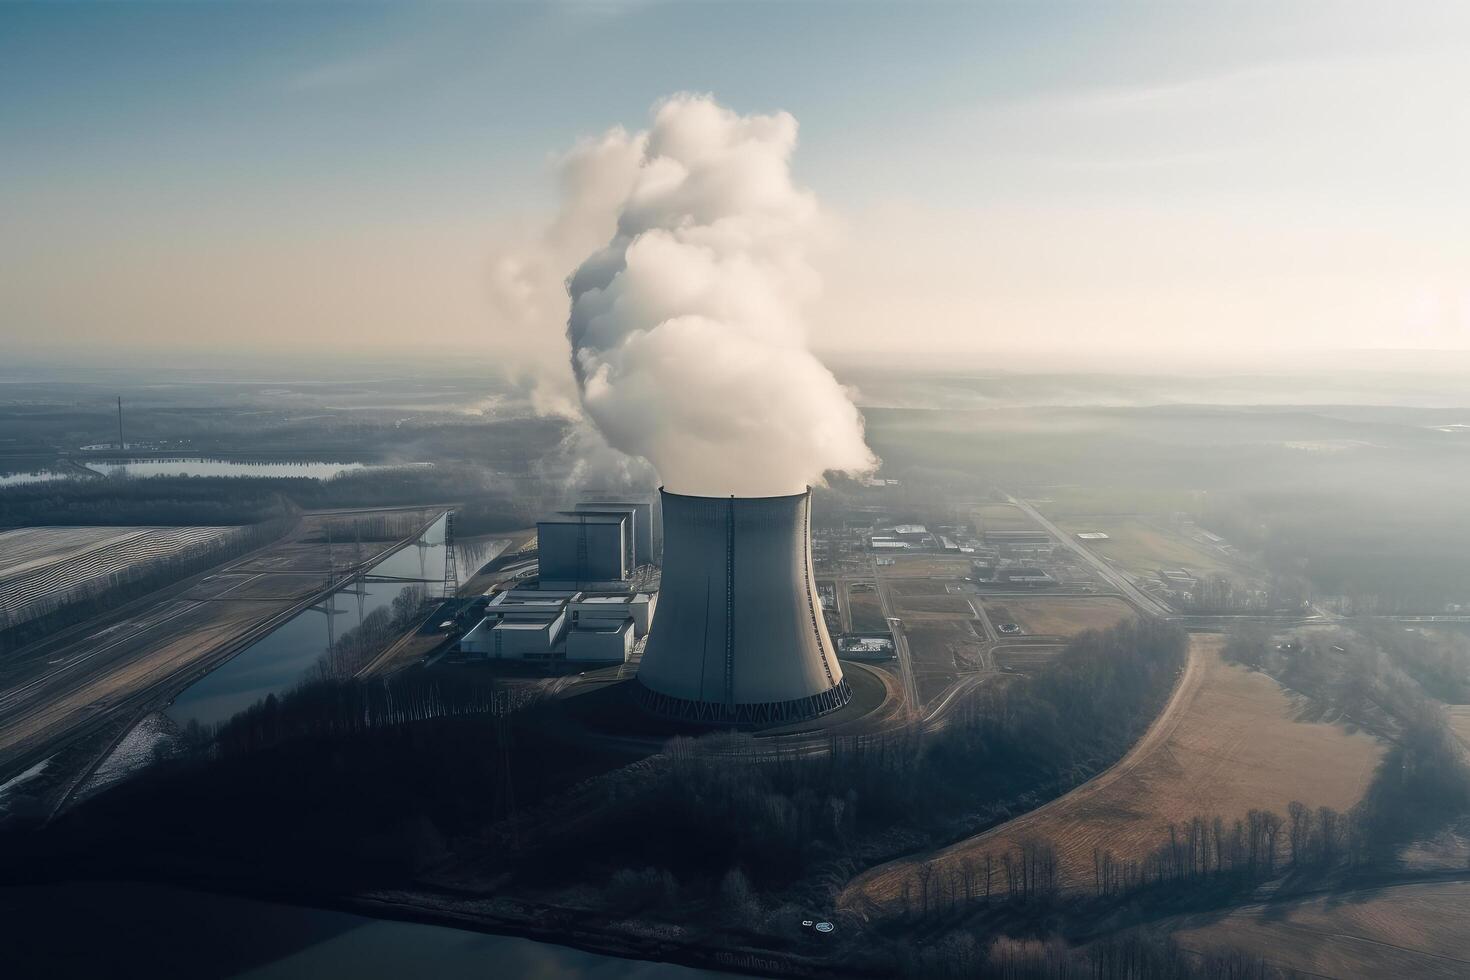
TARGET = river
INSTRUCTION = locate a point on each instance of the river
(284, 657)
(161, 931)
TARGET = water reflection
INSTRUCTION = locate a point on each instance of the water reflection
(160, 931)
(287, 655)
(201, 466)
(34, 476)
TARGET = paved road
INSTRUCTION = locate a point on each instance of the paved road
(1119, 581)
(900, 644)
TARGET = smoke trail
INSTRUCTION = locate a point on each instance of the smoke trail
(688, 341)
(528, 270)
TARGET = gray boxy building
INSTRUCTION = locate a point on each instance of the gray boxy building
(642, 523)
(583, 550)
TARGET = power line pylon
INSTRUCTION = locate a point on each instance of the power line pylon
(451, 563)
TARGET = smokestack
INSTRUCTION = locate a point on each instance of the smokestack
(739, 637)
(120, 443)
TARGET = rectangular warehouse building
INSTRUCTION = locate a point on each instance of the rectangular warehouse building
(577, 550)
(537, 624)
(642, 524)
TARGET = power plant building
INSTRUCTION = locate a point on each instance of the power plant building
(584, 550)
(739, 637)
(641, 522)
(538, 624)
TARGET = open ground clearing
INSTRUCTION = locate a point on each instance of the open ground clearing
(935, 607)
(1415, 930)
(1058, 615)
(941, 649)
(927, 566)
(1460, 721)
(1025, 656)
(85, 674)
(1142, 548)
(1002, 517)
(40, 565)
(866, 611)
(918, 586)
(1225, 744)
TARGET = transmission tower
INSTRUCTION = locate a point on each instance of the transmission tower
(451, 564)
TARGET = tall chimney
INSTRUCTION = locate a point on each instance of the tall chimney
(120, 443)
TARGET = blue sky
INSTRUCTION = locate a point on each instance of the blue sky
(1004, 174)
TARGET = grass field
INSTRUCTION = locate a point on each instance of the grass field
(1058, 615)
(1415, 930)
(866, 612)
(935, 606)
(1141, 548)
(1002, 517)
(1226, 743)
(918, 586)
(927, 566)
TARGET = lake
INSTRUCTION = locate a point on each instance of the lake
(127, 929)
(203, 466)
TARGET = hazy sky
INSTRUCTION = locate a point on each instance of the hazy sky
(1001, 177)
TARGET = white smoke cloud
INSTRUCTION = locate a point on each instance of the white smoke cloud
(529, 270)
(687, 330)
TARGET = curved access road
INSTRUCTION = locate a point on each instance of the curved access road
(884, 883)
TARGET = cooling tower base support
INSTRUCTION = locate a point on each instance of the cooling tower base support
(765, 713)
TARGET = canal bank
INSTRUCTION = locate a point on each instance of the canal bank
(155, 930)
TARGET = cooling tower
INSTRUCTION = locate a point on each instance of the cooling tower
(739, 637)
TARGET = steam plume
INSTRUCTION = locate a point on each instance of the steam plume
(688, 341)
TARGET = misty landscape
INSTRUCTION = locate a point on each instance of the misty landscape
(657, 490)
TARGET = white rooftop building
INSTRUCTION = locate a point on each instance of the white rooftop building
(550, 625)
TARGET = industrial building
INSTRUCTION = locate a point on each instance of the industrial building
(551, 625)
(739, 637)
(1025, 576)
(1014, 539)
(584, 550)
(641, 524)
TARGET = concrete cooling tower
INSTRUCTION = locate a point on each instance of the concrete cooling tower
(739, 637)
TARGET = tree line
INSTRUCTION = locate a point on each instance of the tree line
(340, 707)
(221, 500)
(379, 629)
(780, 813)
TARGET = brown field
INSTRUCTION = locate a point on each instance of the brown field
(936, 606)
(1415, 930)
(942, 646)
(1059, 615)
(1225, 743)
(1002, 517)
